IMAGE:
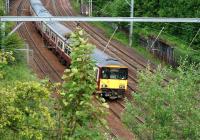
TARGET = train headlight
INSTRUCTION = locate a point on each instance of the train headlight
(104, 86)
(122, 86)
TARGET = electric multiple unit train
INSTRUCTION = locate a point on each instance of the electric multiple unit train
(112, 76)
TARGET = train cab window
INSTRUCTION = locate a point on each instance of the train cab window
(115, 73)
(121, 73)
(105, 73)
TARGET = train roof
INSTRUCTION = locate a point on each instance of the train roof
(101, 58)
(59, 28)
(104, 60)
(41, 11)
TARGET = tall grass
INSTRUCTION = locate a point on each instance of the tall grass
(17, 72)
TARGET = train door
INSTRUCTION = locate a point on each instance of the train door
(98, 70)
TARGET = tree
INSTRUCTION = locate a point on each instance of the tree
(5, 58)
(24, 111)
(170, 111)
(12, 42)
(81, 116)
(184, 32)
(1, 8)
(24, 106)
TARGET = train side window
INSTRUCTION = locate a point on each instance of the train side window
(69, 51)
(47, 31)
(53, 37)
(66, 50)
(60, 44)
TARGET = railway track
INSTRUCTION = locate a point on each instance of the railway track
(65, 10)
(136, 63)
(38, 57)
(46, 69)
(99, 43)
(127, 55)
(41, 62)
(55, 11)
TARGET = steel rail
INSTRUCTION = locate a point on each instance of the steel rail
(99, 19)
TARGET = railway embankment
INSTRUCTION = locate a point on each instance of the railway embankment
(168, 48)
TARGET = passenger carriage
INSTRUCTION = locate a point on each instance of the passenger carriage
(111, 75)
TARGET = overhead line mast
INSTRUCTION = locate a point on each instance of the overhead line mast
(131, 24)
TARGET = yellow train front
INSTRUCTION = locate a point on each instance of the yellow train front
(112, 76)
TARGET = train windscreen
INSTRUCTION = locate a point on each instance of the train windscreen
(115, 73)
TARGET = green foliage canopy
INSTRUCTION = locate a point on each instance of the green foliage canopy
(81, 118)
(23, 111)
(156, 8)
(177, 35)
(170, 111)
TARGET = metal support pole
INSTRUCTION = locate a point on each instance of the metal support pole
(91, 8)
(3, 25)
(81, 3)
(131, 24)
(8, 7)
(27, 53)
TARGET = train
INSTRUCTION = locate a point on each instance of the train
(111, 75)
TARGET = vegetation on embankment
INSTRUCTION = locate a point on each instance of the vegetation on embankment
(18, 69)
(167, 112)
(27, 109)
(120, 36)
(15, 69)
(82, 116)
(24, 100)
(177, 35)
